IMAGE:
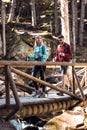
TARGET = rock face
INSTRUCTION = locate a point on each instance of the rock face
(69, 120)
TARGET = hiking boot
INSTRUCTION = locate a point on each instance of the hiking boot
(42, 95)
(70, 90)
(60, 94)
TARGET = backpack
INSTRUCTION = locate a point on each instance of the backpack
(66, 48)
(43, 48)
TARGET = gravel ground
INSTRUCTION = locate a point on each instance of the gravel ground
(6, 126)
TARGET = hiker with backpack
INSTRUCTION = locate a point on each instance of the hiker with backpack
(63, 54)
(40, 55)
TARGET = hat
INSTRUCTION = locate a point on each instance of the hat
(60, 36)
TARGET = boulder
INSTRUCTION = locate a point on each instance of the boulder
(69, 120)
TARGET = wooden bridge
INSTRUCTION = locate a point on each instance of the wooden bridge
(15, 107)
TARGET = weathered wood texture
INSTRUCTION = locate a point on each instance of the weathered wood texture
(32, 63)
(40, 106)
(30, 106)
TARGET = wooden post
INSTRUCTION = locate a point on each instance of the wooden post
(13, 87)
(73, 80)
(82, 94)
(7, 87)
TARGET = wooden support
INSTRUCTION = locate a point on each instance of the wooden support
(86, 76)
(82, 94)
(25, 88)
(43, 82)
(13, 87)
(7, 87)
(73, 80)
(82, 83)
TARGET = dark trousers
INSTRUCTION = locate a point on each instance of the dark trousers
(41, 70)
(64, 69)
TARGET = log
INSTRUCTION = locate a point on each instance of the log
(25, 88)
(32, 63)
(71, 120)
(22, 87)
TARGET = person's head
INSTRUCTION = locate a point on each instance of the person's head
(38, 40)
(61, 39)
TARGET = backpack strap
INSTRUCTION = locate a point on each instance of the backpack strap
(43, 49)
(66, 47)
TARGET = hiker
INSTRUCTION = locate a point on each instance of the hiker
(63, 54)
(40, 55)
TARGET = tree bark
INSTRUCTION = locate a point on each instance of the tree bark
(56, 16)
(33, 13)
(65, 19)
(81, 28)
(3, 26)
(74, 19)
(11, 14)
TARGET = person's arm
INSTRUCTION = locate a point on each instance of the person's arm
(31, 57)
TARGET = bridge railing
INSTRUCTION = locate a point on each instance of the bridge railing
(14, 66)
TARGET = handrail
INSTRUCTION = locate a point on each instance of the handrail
(31, 63)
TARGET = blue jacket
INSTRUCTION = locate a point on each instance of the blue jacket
(40, 53)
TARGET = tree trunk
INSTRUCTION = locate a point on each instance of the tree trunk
(33, 13)
(3, 28)
(0, 46)
(11, 14)
(56, 16)
(65, 20)
(74, 26)
(81, 28)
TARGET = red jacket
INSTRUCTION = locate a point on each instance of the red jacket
(66, 49)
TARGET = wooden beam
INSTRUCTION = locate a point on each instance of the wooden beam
(82, 94)
(43, 82)
(13, 88)
(32, 63)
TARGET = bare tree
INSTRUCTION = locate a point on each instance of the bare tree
(56, 16)
(11, 14)
(0, 46)
(65, 19)
(33, 13)
(81, 28)
(74, 25)
(3, 12)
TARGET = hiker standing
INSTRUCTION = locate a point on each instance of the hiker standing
(63, 54)
(40, 55)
